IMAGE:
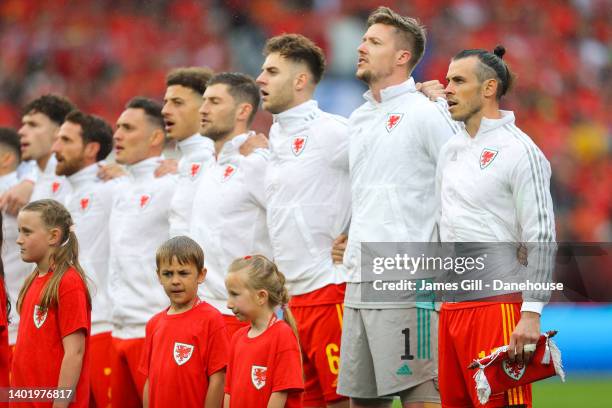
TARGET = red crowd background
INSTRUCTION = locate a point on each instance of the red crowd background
(100, 53)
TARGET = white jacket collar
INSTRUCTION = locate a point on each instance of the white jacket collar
(50, 167)
(487, 124)
(84, 175)
(144, 168)
(194, 143)
(298, 115)
(392, 91)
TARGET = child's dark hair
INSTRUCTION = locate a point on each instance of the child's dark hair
(263, 274)
(184, 249)
(55, 215)
(492, 66)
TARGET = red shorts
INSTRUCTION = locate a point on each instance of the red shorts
(100, 365)
(232, 324)
(470, 330)
(320, 328)
(127, 382)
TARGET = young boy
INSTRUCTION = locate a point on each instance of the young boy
(186, 345)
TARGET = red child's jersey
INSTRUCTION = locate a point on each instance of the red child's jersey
(181, 352)
(39, 350)
(4, 346)
(259, 366)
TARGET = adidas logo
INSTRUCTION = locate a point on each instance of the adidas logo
(404, 370)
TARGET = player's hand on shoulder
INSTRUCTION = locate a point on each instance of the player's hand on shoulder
(110, 171)
(254, 142)
(432, 89)
(16, 197)
(338, 248)
(166, 166)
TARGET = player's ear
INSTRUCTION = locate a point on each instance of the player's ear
(262, 297)
(301, 80)
(55, 235)
(489, 88)
(244, 112)
(403, 57)
(202, 275)
(92, 149)
(158, 138)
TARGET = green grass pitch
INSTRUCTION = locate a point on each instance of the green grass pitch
(577, 391)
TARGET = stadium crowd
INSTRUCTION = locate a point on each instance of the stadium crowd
(282, 216)
(101, 53)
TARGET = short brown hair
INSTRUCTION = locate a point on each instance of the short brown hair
(93, 129)
(410, 30)
(185, 249)
(242, 88)
(298, 48)
(55, 107)
(190, 77)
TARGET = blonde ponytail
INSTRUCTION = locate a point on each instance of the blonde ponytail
(263, 274)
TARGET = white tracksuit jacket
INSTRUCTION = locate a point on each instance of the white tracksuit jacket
(308, 194)
(394, 147)
(15, 270)
(89, 202)
(229, 216)
(197, 153)
(138, 226)
(48, 184)
(495, 187)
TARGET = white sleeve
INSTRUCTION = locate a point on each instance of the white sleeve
(530, 180)
(336, 142)
(437, 128)
(256, 163)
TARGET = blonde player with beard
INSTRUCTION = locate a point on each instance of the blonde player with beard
(395, 139)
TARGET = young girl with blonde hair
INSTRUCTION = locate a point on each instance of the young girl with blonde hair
(55, 307)
(265, 366)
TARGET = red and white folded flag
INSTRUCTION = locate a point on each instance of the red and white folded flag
(497, 374)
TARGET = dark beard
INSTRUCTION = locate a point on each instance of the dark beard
(68, 168)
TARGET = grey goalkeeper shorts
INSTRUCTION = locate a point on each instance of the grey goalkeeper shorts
(386, 352)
